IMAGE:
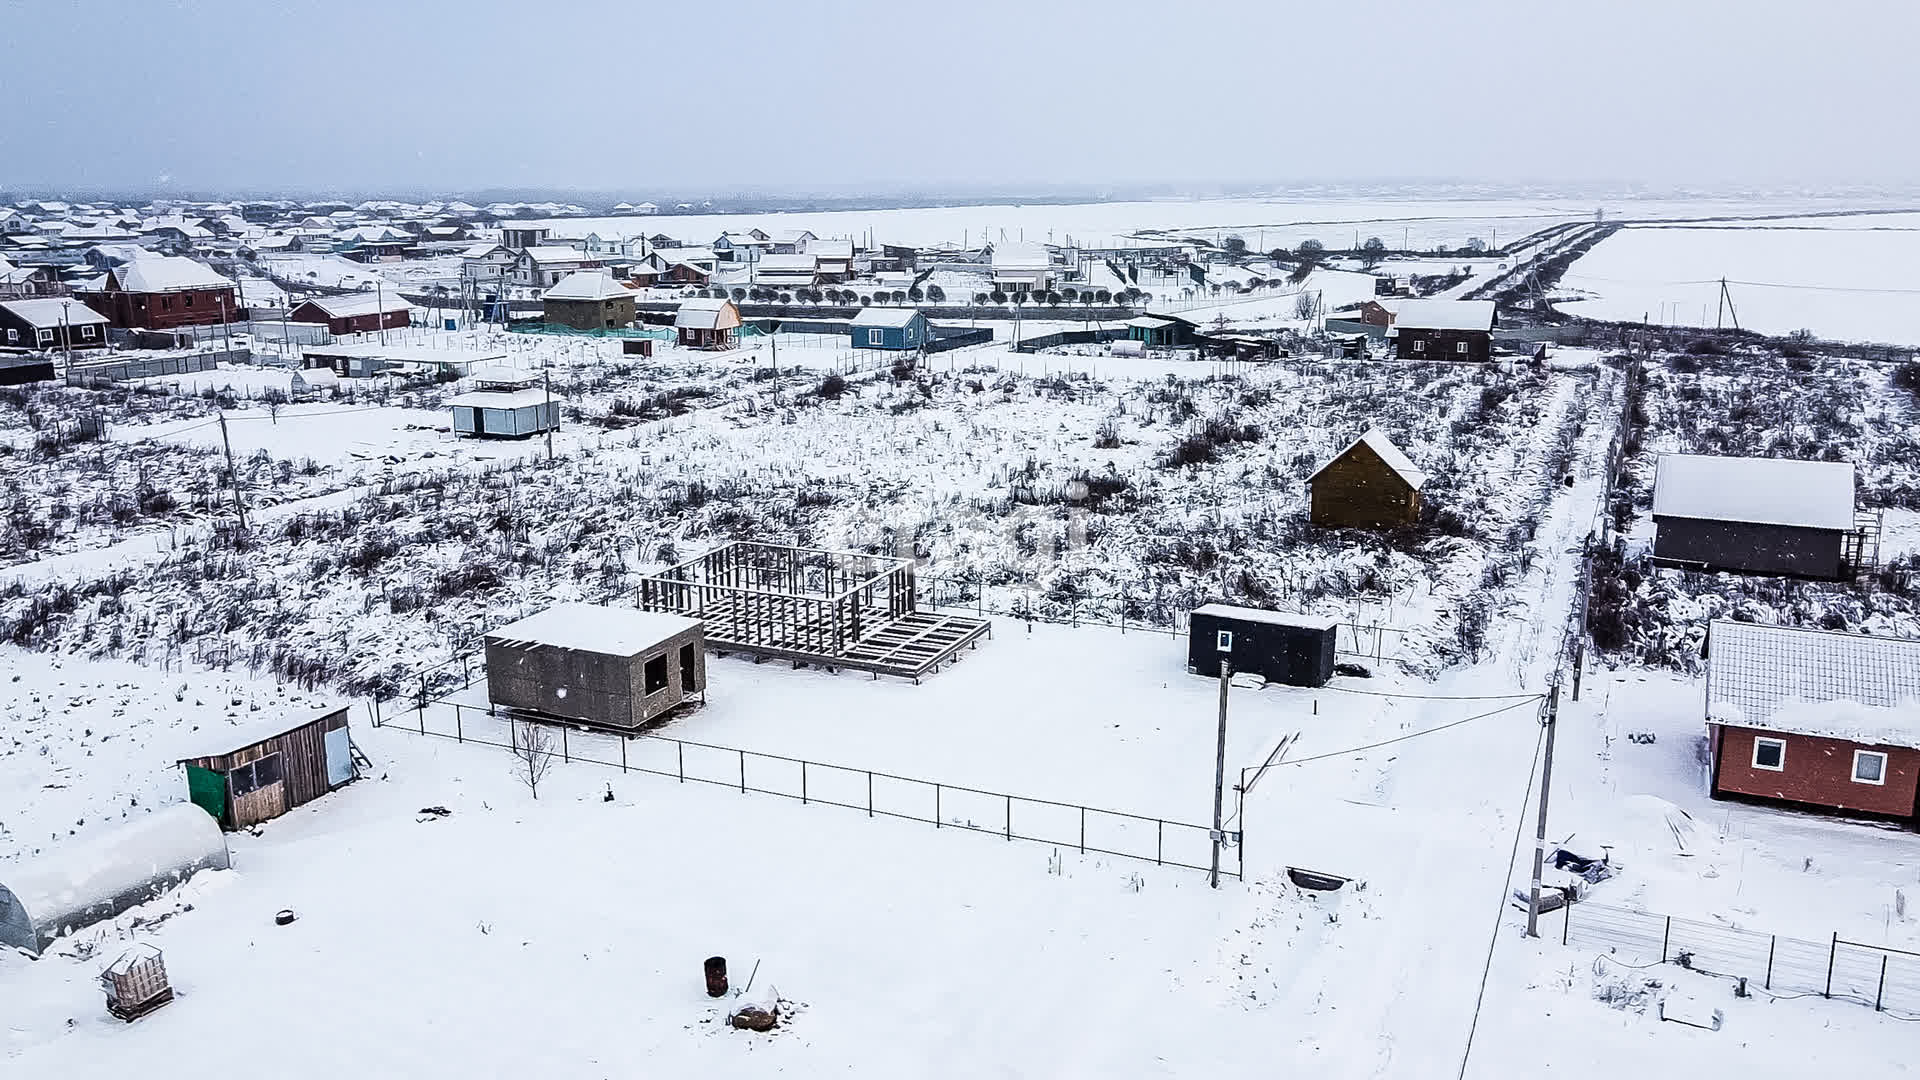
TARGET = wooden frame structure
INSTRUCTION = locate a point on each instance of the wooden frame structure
(807, 605)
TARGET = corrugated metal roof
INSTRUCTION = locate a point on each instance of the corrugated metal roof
(1856, 687)
(1444, 315)
(167, 273)
(885, 317)
(1758, 491)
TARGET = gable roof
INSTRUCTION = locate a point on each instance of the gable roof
(586, 285)
(1445, 315)
(1855, 687)
(560, 254)
(166, 273)
(701, 313)
(788, 263)
(1389, 454)
(1757, 491)
(1021, 256)
(837, 250)
(890, 317)
(379, 302)
(47, 313)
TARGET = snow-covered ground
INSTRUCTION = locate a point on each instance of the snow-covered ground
(1845, 279)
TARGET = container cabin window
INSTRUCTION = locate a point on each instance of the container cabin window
(1223, 640)
(686, 668)
(656, 674)
(1419, 346)
(1869, 767)
(1770, 754)
(1460, 346)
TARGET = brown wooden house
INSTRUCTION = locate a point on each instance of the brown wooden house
(161, 292)
(1815, 718)
(1368, 485)
(355, 313)
(1443, 330)
(257, 773)
(707, 324)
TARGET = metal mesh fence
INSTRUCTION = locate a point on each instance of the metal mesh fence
(1885, 978)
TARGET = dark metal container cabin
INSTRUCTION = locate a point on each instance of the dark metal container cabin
(1284, 648)
(260, 773)
(611, 667)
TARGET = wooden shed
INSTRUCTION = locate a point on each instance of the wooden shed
(618, 668)
(1444, 330)
(1368, 485)
(253, 774)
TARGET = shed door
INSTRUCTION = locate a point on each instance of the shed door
(208, 790)
(339, 757)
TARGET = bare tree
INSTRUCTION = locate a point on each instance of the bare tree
(1373, 251)
(532, 754)
(1306, 306)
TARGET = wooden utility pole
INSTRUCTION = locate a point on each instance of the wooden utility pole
(1220, 773)
(233, 474)
(549, 419)
(1546, 788)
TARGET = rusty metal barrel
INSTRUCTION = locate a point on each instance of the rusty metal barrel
(716, 976)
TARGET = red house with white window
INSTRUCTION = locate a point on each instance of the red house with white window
(1815, 718)
(161, 292)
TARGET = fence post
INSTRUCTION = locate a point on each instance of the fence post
(1773, 941)
(743, 772)
(563, 744)
(459, 730)
(680, 759)
(1666, 936)
(623, 753)
(936, 806)
(1880, 994)
(1566, 925)
(1083, 830)
(1833, 948)
(1159, 838)
(803, 783)
(1009, 819)
(869, 792)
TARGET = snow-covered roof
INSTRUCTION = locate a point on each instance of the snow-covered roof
(1270, 618)
(1383, 448)
(559, 254)
(219, 737)
(378, 302)
(836, 250)
(1445, 315)
(885, 316)
(586, 285)
(481, 251)
(1149, 322)
(701, 313)
(167, 273)
(1759, 491)
(805, 264)
(1856, 687)
(500, 399)
(1021, 256)
(614, 631)
(47, 313)
(419, 354)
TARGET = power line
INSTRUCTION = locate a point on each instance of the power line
(1499, 912)
(1416, 734)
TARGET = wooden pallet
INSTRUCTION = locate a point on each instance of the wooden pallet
(135, 1012)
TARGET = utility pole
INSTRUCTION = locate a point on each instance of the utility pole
(380, 308)
(1546, 788)
(225, 330)
(550, 418)
(1220, 772)
(233, 474)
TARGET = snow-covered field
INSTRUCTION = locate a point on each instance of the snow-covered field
(1264, 223)
(563, 936)
(1845, 279)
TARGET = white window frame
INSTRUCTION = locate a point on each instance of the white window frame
(1781, 743)
(1419, 345)
(12, 335)
(876, 337)
(86, 332)
(1459, 346)
(1223, 640)
(45, 337)
(1858, 779)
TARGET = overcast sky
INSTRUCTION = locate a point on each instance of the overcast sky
(735, 95)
